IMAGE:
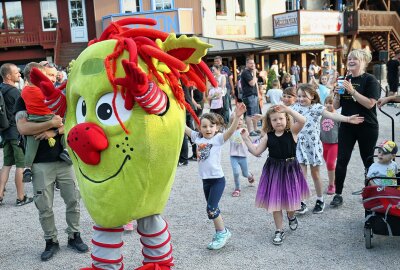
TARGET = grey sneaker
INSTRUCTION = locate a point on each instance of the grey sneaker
(278, 239)
(293, 223)
(303, 209)
(27, 175)
(337, 200)
(219, 240)
(319, 207)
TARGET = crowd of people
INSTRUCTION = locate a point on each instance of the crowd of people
(302, 128)
(305, 125)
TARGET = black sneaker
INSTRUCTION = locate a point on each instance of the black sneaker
(24, 201)
(27, 176)
(293, 223)
(77, 243)
(303, 209)
(319, 207)
(279, 236)
(337, 200)
(65, 156)
(183, 163)
(50, 250)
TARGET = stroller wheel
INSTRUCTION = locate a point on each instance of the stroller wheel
(368, 236)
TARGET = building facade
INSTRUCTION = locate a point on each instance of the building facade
(33, 30)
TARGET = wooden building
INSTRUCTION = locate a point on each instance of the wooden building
(34, 30)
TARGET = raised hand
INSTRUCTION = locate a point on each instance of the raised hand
(280, 108)
(240, 109)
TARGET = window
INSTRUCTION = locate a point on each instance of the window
(162, 4)
(12, 11)
(291, 5)
(48, 10)
(220, 7)
(76, 10)
(130, 6)
(240, 8)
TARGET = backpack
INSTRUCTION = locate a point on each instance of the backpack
(4, 123)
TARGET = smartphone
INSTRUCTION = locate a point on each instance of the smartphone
(340, 87)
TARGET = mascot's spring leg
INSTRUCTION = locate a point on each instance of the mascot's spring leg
(154, 236)
(156, 241)
(106, 251)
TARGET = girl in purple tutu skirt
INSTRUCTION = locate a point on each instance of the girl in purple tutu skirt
(282, 185)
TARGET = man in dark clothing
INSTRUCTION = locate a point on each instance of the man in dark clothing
(48, 169)
(13, 155)
(249, 85)
(393, 75)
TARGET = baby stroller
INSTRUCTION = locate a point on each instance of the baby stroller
(382, 205)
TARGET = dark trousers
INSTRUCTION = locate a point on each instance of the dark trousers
(213, 189)
(184, 155)
(366, 136)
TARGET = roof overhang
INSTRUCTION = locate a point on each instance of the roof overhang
(225, 46)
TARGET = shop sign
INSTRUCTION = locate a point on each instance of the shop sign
(286, 24)
(324, 22)
(307, 40)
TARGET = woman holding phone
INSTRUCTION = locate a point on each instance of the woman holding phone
(361, 91)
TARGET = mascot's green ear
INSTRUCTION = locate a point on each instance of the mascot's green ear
(189, 50)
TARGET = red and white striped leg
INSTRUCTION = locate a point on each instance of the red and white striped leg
(156, 241)
(106, 251)
(154, 101)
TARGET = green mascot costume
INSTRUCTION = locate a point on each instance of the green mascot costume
(125, 124)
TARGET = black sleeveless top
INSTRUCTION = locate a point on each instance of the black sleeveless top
(281, 147)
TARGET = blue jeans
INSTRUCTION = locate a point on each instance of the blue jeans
(213, 189)
(239, 163)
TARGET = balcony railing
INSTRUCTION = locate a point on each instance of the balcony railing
(372, 21)
(20, 39)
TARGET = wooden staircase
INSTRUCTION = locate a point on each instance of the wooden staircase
(379, 43)
(69, 51)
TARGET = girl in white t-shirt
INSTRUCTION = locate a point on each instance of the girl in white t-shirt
(209, 143)
(238, 153)
(215, 94)
(274, 95)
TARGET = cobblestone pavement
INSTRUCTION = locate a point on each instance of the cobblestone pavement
(332, 240)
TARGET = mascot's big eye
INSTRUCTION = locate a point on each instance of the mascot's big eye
(105, 112)
(80, 111)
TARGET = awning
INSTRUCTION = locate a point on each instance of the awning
(276, 45)
(225, 46)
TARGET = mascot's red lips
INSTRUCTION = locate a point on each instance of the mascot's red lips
(127, 157)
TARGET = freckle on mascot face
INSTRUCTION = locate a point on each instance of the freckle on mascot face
(125, 125)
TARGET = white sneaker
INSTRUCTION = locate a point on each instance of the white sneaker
(219, 240)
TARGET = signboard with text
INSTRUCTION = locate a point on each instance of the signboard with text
(286, 24)
(321, 22)
(308, 40)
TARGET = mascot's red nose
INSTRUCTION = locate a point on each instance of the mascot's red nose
(87, 140)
